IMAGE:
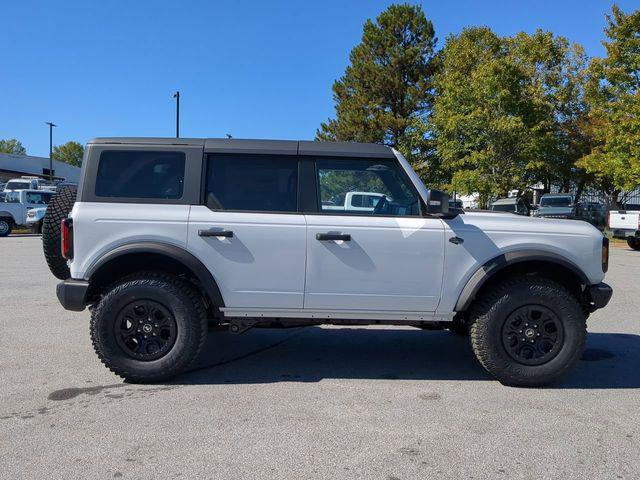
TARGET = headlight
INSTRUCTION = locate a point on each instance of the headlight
(31, 213)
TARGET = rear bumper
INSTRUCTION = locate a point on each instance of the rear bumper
(600, 294)
(72, 294)
(624, 233)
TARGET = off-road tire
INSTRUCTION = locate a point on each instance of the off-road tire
(178, 297)
(633, 243)
(57, 210)
(489, 314)
(6, 227)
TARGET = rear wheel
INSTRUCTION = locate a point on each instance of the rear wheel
(6, 226)
(528, 331)
(633, 243)
(58, 209)
(149, 327)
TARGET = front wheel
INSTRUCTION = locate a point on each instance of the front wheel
(633, 243)
(149, 327)
(5, 227)
(528, 331)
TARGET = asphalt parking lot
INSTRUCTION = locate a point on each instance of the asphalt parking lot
(381, 403)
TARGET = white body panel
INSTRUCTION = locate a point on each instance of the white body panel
(262, 265)
(100, 227)
(489, 235)
(624, 221)
(389, 263)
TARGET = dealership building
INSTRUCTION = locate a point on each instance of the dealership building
(14, 166)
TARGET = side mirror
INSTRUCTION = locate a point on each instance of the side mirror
(438, 204)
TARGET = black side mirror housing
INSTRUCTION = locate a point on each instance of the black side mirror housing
(438, 205)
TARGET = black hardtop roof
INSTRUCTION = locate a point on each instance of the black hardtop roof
(275, 147)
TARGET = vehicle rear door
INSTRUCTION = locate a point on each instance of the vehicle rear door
(248, 231)
(387, 259)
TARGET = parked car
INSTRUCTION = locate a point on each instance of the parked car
(626, 224)
(27, 183)
(556, 205)
(593, 212)
(354, 201)
(456, 204)
(517, 205)
(13, 211)
(35, 217)
(163, 238)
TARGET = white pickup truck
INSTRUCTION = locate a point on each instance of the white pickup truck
(14, 209)
(626, 224)
(354, 202)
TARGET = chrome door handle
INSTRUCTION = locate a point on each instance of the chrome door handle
(215, 233)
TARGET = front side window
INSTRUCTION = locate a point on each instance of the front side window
(257, 183)
(12, 197)
(365, 187)
(140, 174)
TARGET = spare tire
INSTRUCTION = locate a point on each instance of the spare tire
(58, 209)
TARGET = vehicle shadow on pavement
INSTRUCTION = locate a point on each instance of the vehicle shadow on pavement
(312, 354)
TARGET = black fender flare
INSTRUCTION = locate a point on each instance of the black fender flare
(496, 264)
(179, 254)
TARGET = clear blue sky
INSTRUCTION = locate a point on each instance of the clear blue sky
(255, 69)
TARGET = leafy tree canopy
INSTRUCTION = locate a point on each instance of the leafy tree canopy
(12, 146)
(505, 110)
(385, 93)
(70, 152)
(614, 96)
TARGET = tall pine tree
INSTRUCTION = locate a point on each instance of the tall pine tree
(385, 94)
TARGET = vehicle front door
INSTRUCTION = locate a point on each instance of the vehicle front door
(387, 259)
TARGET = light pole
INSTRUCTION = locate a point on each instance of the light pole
(51, 125)
(177, 97)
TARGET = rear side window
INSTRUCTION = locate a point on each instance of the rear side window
(257, 183)
(140, 174)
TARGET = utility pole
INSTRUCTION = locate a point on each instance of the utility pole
(51, 125)
(177, 97)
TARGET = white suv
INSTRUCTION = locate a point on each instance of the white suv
(167, 235)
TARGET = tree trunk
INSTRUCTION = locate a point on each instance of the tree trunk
(580, 189)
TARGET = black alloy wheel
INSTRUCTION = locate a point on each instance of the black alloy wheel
(532, 335)
(145, 330)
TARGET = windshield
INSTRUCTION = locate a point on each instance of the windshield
(18, 186)
(555, 202)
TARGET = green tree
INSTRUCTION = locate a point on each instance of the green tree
(70, 152)
(12, 146)
(506, 110)
(614, 95)
(385, 93)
